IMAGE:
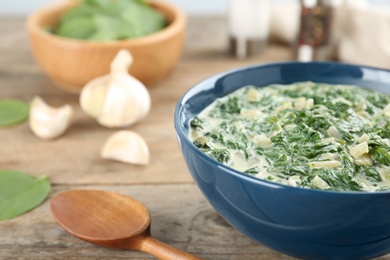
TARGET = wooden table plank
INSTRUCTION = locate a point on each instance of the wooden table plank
(74, 158)
(180, 217)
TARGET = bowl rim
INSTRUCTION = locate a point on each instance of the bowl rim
(176, 25)
(183, 136)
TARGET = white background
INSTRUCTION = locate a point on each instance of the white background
(192, 7)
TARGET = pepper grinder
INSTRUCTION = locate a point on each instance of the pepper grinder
(315, 32)
(248, 25)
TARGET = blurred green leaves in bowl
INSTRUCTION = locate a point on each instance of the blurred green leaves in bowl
(109, 20)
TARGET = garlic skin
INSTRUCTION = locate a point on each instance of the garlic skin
(48, 122)
(126, 146)
(116, 99)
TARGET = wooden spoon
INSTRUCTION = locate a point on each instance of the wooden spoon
(110, 219)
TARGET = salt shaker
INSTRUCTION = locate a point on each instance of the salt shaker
(248, 25)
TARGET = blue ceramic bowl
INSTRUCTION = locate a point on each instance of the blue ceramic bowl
(303, 223)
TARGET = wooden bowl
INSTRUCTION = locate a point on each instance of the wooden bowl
(71, 63)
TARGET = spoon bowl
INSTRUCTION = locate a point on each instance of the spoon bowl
(109, 219)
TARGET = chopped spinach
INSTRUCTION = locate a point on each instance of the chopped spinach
(253, 170)
(381, 155)
(197, 123)
(221, 155)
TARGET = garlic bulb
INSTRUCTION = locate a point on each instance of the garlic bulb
(126, 146)
(48, 122)
(116, 99)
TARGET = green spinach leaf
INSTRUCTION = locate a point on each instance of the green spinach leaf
(13, 111)
(107, 20)
(20, 192)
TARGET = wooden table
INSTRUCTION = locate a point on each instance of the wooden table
(180, 214)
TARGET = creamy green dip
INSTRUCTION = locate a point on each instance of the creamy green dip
(308, 135)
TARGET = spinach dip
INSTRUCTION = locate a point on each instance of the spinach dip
(308, 135)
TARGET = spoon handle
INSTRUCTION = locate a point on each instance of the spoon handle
(164, 251)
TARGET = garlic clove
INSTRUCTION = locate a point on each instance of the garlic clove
(93, 95)
(126, 146)
(121, 62)
(48, 122)
(116, 99)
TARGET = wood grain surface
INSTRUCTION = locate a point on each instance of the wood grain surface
(180, 215)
